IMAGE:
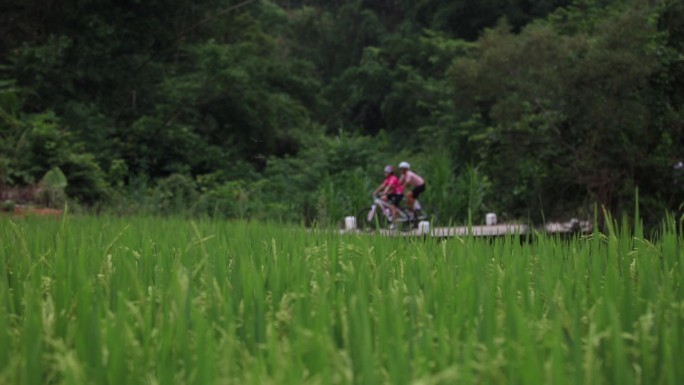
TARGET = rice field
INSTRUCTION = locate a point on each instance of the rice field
(103, 300)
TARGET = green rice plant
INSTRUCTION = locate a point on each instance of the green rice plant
(149, 300)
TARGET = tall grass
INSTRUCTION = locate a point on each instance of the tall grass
(151, 301)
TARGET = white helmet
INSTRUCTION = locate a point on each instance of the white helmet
(389, 169)
(405, 165)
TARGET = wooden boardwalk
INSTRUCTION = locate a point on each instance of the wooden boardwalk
(487, 231)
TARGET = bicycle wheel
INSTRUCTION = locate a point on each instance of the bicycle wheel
(367, 221)
(404, 222)
(422, 215)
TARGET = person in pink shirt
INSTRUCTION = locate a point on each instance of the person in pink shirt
(413, 180)
(391, 190)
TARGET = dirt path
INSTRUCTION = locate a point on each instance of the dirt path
(37, 211)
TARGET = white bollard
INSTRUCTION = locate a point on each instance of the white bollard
(490, 219)
(423, 228)
(349, 223)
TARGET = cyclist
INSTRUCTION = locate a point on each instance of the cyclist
(391, 190)
(411, 179)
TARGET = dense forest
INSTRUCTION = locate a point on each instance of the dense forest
(289, 110)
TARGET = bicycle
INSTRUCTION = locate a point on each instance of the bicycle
(379, 216)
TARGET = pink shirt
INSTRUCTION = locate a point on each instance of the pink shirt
(395, 186)
(411, 178)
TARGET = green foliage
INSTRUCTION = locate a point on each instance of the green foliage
(343, 194)
(54, 179)
(117, 173)
(10, 128)
(10, 104)
(568, 110)
(530, 109)
(399, 86)
(142, 300)
(52, 187)
(471, 194)
(329, 176)
(175, 193)
(137, 196)
(40, 150)
(236, 199)
(40, 144)
(87, 182)
(439, 173)
(7, 206)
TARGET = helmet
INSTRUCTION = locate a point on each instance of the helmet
(405, 165)
(389, 169)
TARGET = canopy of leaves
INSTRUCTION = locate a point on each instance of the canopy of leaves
(528, 108)
(54, 179)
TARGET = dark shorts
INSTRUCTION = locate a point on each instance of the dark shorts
(417, 190)
(395, 198)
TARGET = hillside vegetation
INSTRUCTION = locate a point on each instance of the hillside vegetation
(290, 109)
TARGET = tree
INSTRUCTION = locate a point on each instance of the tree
(566, 114)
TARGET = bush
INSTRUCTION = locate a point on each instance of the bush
(52, 188)
(176, 194)
(231, 199)
(87, 181)
(7, 206)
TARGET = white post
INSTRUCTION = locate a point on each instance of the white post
(423, 228)
(490, 219)
(349, 223)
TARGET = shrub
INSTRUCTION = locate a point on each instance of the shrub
(52, 186)
(231, 199)
(176, 193)
(87, 181)
(7, 206)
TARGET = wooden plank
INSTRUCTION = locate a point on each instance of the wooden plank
(485, 231)
(479, 231)
(573, 226)
(441, 232)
